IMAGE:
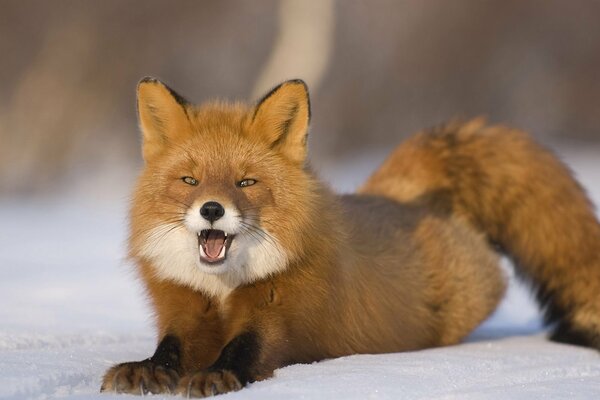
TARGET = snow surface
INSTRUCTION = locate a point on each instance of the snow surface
(71, 307)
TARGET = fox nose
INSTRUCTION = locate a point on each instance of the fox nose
(212, 211)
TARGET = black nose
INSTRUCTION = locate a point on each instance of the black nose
(212, 211)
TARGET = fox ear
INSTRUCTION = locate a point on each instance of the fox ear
(282, 117)
(162, 115)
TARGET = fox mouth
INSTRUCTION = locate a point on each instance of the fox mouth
(213, 245)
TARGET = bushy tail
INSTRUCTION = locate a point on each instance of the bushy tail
(524, 199)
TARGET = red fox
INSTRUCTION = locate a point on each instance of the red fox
(251, 263)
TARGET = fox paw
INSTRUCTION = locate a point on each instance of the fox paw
(141, 377)
(204, 384)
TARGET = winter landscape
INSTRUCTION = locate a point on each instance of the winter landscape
(71, 307)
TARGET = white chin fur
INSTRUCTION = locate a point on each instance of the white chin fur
(175, 256)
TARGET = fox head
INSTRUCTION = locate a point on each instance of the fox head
(224, 194)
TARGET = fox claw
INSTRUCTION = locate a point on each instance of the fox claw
(140, 378)
(204, 384)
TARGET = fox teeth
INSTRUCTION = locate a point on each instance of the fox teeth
(200, 234)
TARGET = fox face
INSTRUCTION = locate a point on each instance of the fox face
(224, 190)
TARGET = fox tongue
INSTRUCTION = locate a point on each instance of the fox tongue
(214, 243)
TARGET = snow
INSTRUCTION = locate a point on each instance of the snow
(71, 307)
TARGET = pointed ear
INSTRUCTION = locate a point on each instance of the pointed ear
(162, 116)
(282, 117)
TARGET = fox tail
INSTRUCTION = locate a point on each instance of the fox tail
(523, 198)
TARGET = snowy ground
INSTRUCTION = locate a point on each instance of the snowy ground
(70, 307)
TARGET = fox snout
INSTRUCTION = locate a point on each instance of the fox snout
(212, 211)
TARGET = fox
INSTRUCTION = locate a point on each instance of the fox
(251, 263)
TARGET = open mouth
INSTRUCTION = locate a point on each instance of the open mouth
(213, 245)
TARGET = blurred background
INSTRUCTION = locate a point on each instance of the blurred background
(377, 70)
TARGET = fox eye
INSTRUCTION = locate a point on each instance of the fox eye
(246, 182)
(189, 180)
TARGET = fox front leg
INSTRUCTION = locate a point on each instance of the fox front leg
(235, 368)
(157, 374)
